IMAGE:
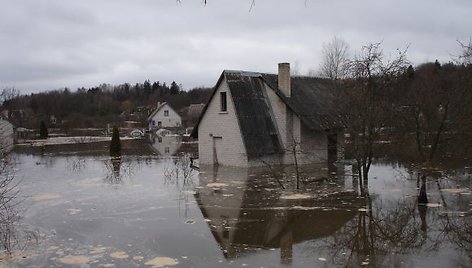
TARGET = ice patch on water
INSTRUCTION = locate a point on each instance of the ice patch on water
(46, 197)
(295, 196)
(161, 262)
(456, 190)
(74, 260)
(119, 255)
(217, 184)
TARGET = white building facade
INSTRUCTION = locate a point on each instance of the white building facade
(164, 117)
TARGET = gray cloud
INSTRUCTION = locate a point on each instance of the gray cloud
(54, 43)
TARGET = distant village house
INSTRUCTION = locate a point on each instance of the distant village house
(164, 117)
(255, 119)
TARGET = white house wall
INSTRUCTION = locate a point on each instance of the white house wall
(6, 136)
(223, 127)
(173, 120)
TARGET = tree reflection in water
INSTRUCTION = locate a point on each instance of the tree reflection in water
(119, 168)
(179, 172)
(387, 233)
(377, 233)
(455, 220)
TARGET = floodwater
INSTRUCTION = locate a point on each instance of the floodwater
(150, 211)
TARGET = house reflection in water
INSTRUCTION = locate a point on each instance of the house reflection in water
(165, 145)
(247, 210)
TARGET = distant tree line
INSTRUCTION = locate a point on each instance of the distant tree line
(97, 106)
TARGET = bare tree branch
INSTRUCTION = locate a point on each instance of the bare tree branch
(335, 59)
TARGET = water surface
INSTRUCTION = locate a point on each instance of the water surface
(153, 211)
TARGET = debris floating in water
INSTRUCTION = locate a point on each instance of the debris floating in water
(73, 211)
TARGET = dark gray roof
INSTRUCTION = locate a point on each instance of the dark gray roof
(315, 100)
(253, 113)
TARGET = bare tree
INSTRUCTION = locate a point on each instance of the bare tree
(434, 111)
(8, 94)
(370, 78)
(335, 59)
(466, 56)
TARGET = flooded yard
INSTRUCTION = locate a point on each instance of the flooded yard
(151, 211)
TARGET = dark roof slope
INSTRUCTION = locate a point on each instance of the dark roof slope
(253, 113)
(314, 100)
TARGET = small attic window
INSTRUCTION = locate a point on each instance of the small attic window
(224, 103)
(166, 113)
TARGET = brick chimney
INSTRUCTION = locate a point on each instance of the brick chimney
(284, 78)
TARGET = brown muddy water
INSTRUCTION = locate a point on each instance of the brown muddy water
(151, 211)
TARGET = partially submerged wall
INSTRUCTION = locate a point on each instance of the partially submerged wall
(219, 135)
(6, 136)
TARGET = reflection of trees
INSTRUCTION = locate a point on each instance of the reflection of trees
(11, 231)
(377, 232)
(9, 214)
(383, 229)
(454, 225)
(459, 230)
(178, 171)
(119, 168)
(75, 165)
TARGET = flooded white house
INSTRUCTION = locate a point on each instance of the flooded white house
(6, 136)
(255, 119)
(163, 117)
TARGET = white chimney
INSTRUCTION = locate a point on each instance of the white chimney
(284, 78)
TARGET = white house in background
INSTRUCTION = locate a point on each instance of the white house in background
(255, 119)
(6, 136)
(164, 117)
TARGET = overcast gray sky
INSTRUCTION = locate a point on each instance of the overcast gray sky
(51, 44)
